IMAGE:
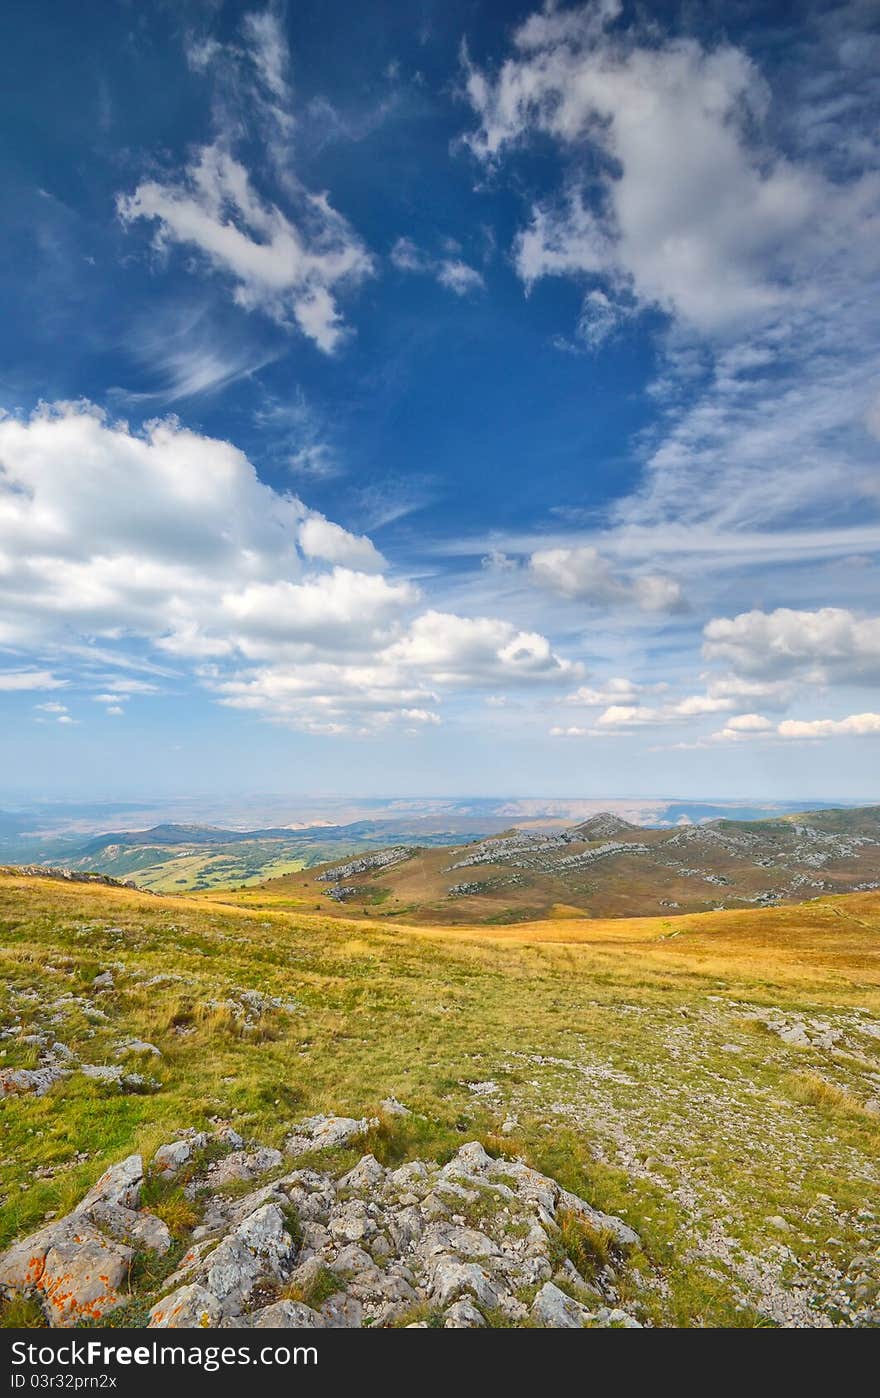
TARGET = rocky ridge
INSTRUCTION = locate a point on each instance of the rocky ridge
(476, 1241)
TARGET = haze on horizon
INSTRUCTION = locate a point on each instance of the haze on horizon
(460, 398)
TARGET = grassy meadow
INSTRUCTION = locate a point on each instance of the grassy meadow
(637, 1060)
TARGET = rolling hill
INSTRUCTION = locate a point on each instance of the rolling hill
(602, 867)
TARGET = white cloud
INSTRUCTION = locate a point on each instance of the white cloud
(631, 716)
(169, 538)
(830, 645)
(749, 723)
(857, 725)
(749, 727)
(341, 610)
(12, 680)
(52, 708)
(457, 276)
(676, 193)
(695, 705)
(582, 574)
(734, 691)
(269, 51)
(293, 262)
(451, 272)
(291, 270)
(320, 538)
(614, 691)
(695, 212)
(479, 651)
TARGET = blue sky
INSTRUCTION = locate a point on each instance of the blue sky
(440, 398)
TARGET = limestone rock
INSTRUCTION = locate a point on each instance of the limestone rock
(288, 1315)
(325, 1132)
(188, 1308)
(551, 1307)
(172, 1157)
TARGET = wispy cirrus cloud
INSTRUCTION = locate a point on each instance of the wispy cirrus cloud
(291, 263)
(450, 270)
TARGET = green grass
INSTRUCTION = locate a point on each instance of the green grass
(611, 1045)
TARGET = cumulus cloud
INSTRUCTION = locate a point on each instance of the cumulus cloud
(675, 194)
(614, 691)
(688, 208)
(828, 646)
(856, 725)
(583, 575)
(749, 727)
(168, 537)
(630, 716)
(321, 538)
(480, 651)
(453, 273)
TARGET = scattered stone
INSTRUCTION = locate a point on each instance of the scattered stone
(16, 1081)
(137, 1046)
(391, 1107)
(324, 1132)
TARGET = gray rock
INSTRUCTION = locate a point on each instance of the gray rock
(351, 1222)
(367, 1174)
(342, 1312)
(189, 1308)
(120, 1185)
(325, 1132)
(172, 1157)
(16, 1081)
(244, 1165)
(353, 1259)
(138, 1228)
(74, 1270)
(463, 1315)
(391, 1107)
(135, 1046)
(288, 1315)
(451, 1277)
(552, 1308)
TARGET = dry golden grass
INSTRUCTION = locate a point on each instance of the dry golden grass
(596, 1031)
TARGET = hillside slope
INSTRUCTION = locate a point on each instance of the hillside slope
(711, 1080)
(604, 867)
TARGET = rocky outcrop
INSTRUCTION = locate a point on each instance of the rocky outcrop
(40, 871)
(382, 859)
(78, 1267)
(471, 1242)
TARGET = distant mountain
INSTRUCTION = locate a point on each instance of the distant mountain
(177, 856)
(606, 867)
